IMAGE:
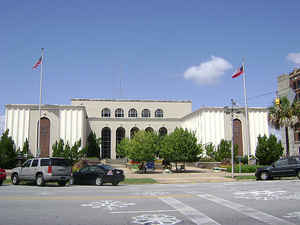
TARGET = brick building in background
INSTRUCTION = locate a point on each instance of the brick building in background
(285, 83)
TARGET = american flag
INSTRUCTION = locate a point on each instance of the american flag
(37, 63)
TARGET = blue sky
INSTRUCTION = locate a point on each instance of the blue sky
(158, 50)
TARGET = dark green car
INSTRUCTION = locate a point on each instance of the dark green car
(97, 175)
(286, 167)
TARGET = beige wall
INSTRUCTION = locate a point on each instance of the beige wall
(171, 109)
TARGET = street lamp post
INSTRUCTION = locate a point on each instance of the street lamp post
(232, 139)
(231, 111)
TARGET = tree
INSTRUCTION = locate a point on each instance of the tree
(25, 150)
(122, 147)
(74, 153)
(224, 151)
(180, 146)
(284, 115)
(8, 154)
(268, 150)
(93, 145)
(142, 147)
(58, 148)
(210, 150)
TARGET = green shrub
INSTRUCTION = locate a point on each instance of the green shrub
(244, 168)
(206, 159)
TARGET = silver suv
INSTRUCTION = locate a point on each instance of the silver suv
(42, 170)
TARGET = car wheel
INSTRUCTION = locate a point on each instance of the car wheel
(1, 181)
(298, 174)
(39, 180)
(264, 175)
(15, 179)
(115, 183)
(99, 181)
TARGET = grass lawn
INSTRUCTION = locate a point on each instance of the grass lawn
(139, 181)
(246, 177)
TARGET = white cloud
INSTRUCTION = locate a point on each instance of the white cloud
(208, 72)
(294, 57)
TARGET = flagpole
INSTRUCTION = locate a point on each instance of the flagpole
(39, 131)
(246, 111)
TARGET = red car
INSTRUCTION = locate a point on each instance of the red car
(2, 175)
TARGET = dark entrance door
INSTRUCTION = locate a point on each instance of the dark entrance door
(106, 143)
(45, 137)
(238, 135)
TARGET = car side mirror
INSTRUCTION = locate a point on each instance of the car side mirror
(273, 164)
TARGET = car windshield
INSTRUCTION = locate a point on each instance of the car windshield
(106, 167)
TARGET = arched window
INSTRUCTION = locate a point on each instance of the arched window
(163, 131)
(297, 132)
(159, 113)
(146, 113)
(132, 113)
(106, 142)
(119, 113)
(238, 135)
(120, 134)
(149, 129)
(105, 112)
(133, 131)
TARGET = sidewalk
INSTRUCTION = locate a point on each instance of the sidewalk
(191, 175)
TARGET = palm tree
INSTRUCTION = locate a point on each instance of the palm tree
(284, 115)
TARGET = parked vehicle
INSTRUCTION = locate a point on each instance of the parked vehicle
(42, 170)
(97, 175)
(2, 176)
(286, 167)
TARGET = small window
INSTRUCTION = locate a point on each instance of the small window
(45, 162)
(93, 169)
(119, 113)
(159, 113)
(59, 162)
(146, 113)
(99, 170)
(27, 163)
(280, 163)
(34, 163)
(84, 170)
(132, 113)
(292, 161)
(105, 112)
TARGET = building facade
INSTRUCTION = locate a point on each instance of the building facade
(112, 120)
(286, 82)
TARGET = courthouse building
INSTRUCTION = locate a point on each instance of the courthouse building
(113, 120)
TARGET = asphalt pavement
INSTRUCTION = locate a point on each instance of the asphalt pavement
(275, 202)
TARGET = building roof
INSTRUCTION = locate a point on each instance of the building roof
(129, 100)
(44, 107)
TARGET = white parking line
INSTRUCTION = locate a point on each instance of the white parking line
(194, 215)
(149, 211)
(250, 212)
